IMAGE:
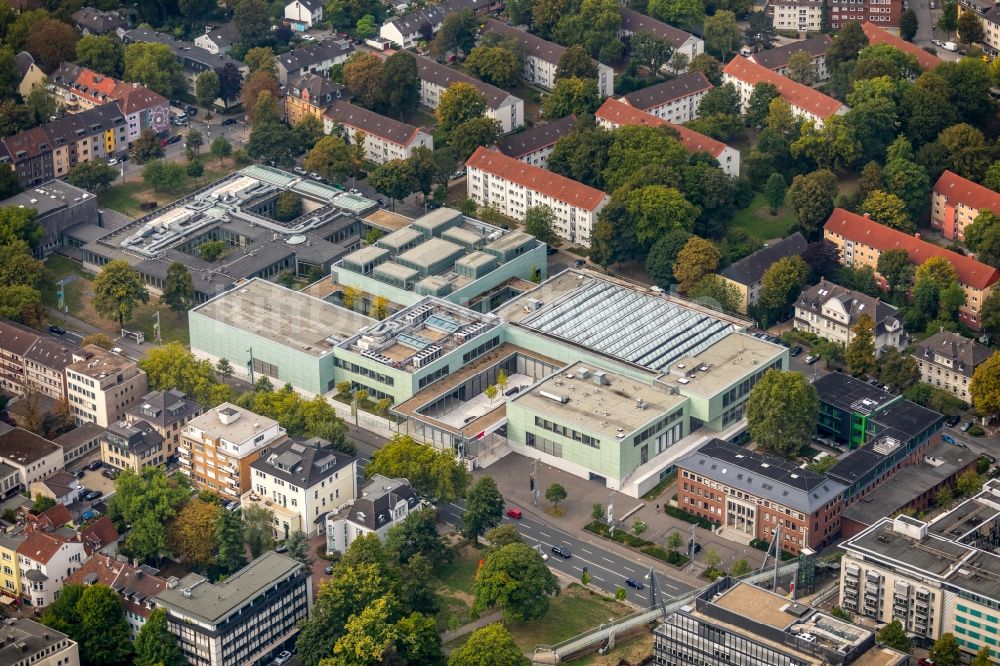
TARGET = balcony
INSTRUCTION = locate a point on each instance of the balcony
(183, 450)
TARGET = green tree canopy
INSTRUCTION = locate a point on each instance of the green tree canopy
(118, 291)
(155, 645)
(781, 412)
(491, 645)
(483, 509)
(431, 473)
(515, 579)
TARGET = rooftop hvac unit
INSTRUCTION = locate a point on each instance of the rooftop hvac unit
(426, 355)
(600, 378)
(534, 303)
(377, 357)
(554, 396)
(583, 373)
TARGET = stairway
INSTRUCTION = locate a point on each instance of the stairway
(736, 535)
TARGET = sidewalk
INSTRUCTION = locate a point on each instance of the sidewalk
(449, 636)
(74, 324)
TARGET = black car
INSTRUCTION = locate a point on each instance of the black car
(281, 549)
(514, 390)
(562, 551)
(551, 250)
(191, 110)
(694, 547)
(58, 330)
(795, 351)
(92, 495)
(97, 464)
(230, 121)
(174, 138)
(952, 421)
(637, 584)
(78, 473)
(110, 474)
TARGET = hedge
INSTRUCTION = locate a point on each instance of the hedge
(690, 517)
(644, 546)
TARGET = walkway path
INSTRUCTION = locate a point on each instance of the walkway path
(448, 636)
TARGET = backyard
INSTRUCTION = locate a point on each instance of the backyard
(126, 197)
(756, 219)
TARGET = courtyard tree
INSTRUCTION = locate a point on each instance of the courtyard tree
(118, 291)
(431, 473)
(491, 645)
(555, 493)
(893, 635)
(860, 354)
(695, 260)
(178, 289)
(782, 411)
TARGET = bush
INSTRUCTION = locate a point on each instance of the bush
(690, 517)
(976, 431)
(644, 546)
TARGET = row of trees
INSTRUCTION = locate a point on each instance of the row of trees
(21, 275)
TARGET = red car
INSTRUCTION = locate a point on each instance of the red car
(514, 513)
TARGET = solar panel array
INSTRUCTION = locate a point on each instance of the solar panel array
(646, 330)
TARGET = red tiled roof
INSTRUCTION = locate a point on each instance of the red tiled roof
(861, 229)
(99, 534)
(877, 35)
(535, 178)
(131, 583)
(618, 113)
(55, 516)
(794, 93)
(132, 98)
(967, 193)
(40, 546)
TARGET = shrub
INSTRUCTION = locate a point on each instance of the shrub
(976, 431)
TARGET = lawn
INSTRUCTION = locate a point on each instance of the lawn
(633, 650)
(126, 197)
(757, 220)
(455, 589)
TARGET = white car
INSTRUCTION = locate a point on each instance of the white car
(113, 161)
(308, 38)
(950, 46)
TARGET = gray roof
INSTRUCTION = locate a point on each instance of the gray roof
(58, 195)
(321, 91)
(186, 52)
(225, 35)
(23, 61)
(964, 353)
(778, 57)
(306, 56)
(443, 76)
(534, 46)
(97, 21)
(374, 508)
(51, 353)
(25, 641)
(536, 138)
(136, 437)
(80, 435)
(432, 16)
(854, 302)
(376, 124)
(163, 408)
(15, 338)
(749, 270)
(668, 91)
(635, 22)
(302, 464)
(763, 475)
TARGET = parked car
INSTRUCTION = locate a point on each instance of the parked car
(174, 138)
(513, 390)
(355, 190)
(79, 473)
(110, 474)
(283, 658)
(562, 551)
(694, 547)
(950, 46)
(637, 584)
(795, 351)
(380, 202)
(113, 161)
(308, 38)
(299, 170)
(812, 358)
(952, 421)
(229, 121)
(965, 426)
(58, 330)
(551, 250)
(97, 464)
(514, 513)
(579, 262)
(92, 495)
(191, 110)
(281, 549)
(328, 569)
(924, 661)
(87, 515)
(315, 176)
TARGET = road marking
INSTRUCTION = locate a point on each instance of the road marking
(607, 560)
(586, 551)
(547, 536)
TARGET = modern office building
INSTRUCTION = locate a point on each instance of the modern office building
(541, 58)
(806, 103)
(682, 42)
(732, 622)
(776, 59)
(301, 482)
(747, 274)
(832, 312)
(80, 441)
(861, 241)
(534, 144)
(948, 361)
(384, 138)
(435, 78)
(382, 504)
(101, 385)
(249, 618)
(219, 446)
(956, 201)
(675, 101)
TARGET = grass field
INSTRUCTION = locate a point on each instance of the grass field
(633, 650)
(455, 588)
(126, 197)
(757, 220)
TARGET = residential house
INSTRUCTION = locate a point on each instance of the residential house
(534, 144)
(218, 447)
(383, 502)
(46, 560)
(167, 412)
(132, 445)
(421, 24)
(614, 114)
(301, 482)
(675, 101)
(303, 14)
(956, 201)
(948, 360)
(747, 274)
(30, 74)
(882, 13)
(541, 59)
(136, 585)
(102, 385)
(511, 187)
(218, 40)
(879, 35)
(250, 617)
(15, 341)
(776, 59)
(832, 312)
(50, 520)
(10, 572)
(501, 106)
(33, 456)
(315, 58)
(634, 23)
(96, 22)
(988, 13)
(384, 138)
(861, 241)
(24, 641)
(797, 15)
(60, 486)
(311, 95)
(806, 102)
(80, 441)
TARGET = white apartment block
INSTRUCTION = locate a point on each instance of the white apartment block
(384, 138)
(383, 503)
(805, 102)
(675, 101)
(682, 42)
(300, 483)
(501, 106)
(101, 385)
(46, 560)
(798, 15)
(948, 361)
(511, 187)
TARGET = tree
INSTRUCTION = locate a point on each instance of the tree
(722, 35)
(491, 645)
(970, 28)
(272, 142)
(696, 259)
(898, 371)
(472, 134)
(431, 473)
(969, 484)
(945, 650)
(686, 14)
(288, 206)
(259, 82)
(206, 88)
(675, 542)
(781, 283)
(834, 146)
(118, 291)
(211, 250)
(459, 103)
(983, 657)
(538, 222)
(555, 493)
(811, 196)
(575, 62)
(990, 314)
(860, 352)
(252, 21)
(364, 78)
(846, 44)
(365, 27)
(103, 635)
(498, 537)
(221, 148)
(707, 65)
(258, 532)
(661, 257)
(802, 68)
(393, 179)
(717, 293)
(897, 269)
(101, 53)
(231, 555)
(483, 509)
(985, 387)
(402, 82)
(457, 33)
(888, 209)
(937, 270)
(517, 580)
(19, 224)
(164, 176)
(774, 192)
(42, 504)
(495, 64)
(155, 645)
(51, 42)
(417, 535)
(781, 412)
(265, 110)
(571, 95)
(22, 304)
(893, 635)
(154, 66)
(331, 157)
(261, 58)
(650, 51)
(760, 33)
(178, 289)
(62, 614)
(91, 176)
(99, 339)
(740, 568)
(192, 533)
(908, 25)
(655, 210)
